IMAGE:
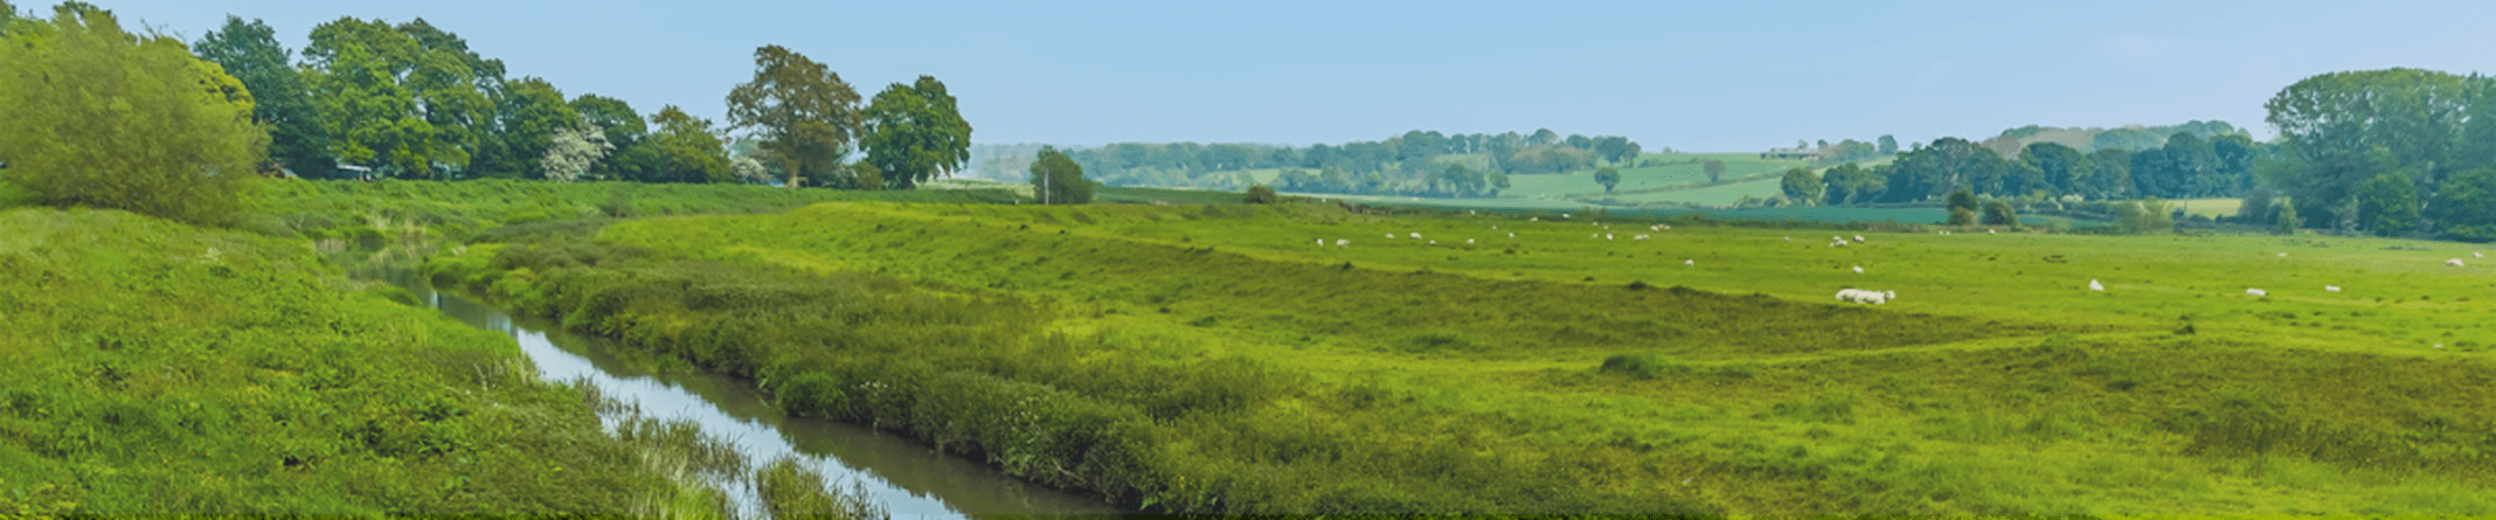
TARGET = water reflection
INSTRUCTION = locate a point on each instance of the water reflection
(911, 479)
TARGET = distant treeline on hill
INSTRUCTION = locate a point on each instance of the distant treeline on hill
(1416, 163)
(2184, 165)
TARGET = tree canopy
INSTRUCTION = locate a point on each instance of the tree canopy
(99, 117)
(802, 112)
(1056, 179)
(914, 132)
(281, 100)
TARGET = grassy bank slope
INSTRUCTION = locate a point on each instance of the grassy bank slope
(390, 209)
(159, 368)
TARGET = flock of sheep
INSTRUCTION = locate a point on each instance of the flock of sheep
(1849, 295)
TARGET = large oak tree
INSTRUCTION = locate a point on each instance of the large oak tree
(804, 115)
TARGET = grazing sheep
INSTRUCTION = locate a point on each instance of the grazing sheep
(1512, 234)
(1434, 242)
(2256, 292)
(1416, 236)
(1468, 241)
(1668, 227)
(2475, 254)
(1866, 296)
(1789, 239)
(1533, 219)
(1690, 263)
(1321, 242)
(2094, 286)
(1641, 236)
(1840, 243)
(2456, 262)
(1988, 231)
(2331, 288)
(1858, 238)
(1858, 269)
(2283, 255)
(1390, 236)
(1837, 239)
(1564, 215)
(1607, 236)
(1594, 235)
(1342, 242)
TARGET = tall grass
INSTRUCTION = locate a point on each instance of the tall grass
(157, 368)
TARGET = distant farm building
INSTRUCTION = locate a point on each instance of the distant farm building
(1790, 153)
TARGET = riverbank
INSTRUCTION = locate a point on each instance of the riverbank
(159, 368)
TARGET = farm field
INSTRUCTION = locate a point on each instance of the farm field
(1704, 369)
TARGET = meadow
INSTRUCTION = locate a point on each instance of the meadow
(158, 368)
(1224, 359)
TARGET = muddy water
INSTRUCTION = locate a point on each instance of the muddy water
(912, 480)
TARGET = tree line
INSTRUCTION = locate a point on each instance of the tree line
(1417, 163)
(370, 98)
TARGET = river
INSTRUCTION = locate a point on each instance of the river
(912, 480)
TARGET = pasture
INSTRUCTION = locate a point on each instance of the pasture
(1704, 366)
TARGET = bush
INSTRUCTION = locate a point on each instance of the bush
(138, 132)
(1262, 194)
(1999, 213)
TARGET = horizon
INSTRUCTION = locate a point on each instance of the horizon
(1298, 73)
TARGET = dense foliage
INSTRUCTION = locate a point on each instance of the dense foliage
(95, 116)
(1415, 163)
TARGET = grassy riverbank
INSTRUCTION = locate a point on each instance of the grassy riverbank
(1215, 359)
(159, 368)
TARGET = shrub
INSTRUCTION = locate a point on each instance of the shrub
(1262, 194)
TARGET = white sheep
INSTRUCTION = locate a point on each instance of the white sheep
(2475, 254)
(1607, 236)
(1564, 215)
(1512, 234)
(2094, 286)
(2331, 288)
(1416, 236)
(1789, 239)
(1858, 269)
(1858, 238)
(2256, 292)
(1533, 219)
(1468, 241)
(1434, 242)
(1668, 227)
(1321, 242)
(2456, 262)
(2283, 255)
(1343, 242)
(1866, 296)
(1594, 235)
(1988, 231)
(1689, 263)
(1390, 236)
(1641, 236)
(1840, 243)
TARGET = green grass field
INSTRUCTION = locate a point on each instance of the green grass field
(1561, 370)
(158, 368)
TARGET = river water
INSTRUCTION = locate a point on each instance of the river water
(911, 480)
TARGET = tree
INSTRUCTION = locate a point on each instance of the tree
(2466, 206)
(801, 111)
(571, 151)
(409, 101)
(281, 99)
(2343, 129)
(2387, 204)
(1961, 216)
(1715, 170)
(1889, 145)
(1803, 186)
(99, 117)
(1543, 137)
(1262, 194)
(686, 148)
(2146, 216)
(1852, 183)
(2064, 169)
(1963, 198)
(532, 112)
(750, 171)
(624, 128)
(1999, 213)
(2110, 174)
(1058, 180)
(1608, 177)
(2255, 207)
(2286, 221)
(914, 132)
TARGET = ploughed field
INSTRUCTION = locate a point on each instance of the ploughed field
(1237, 359)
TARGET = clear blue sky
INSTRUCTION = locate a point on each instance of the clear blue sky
(1716, 76)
